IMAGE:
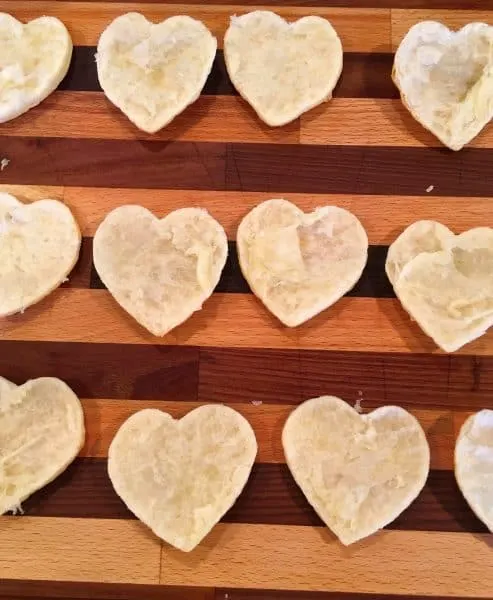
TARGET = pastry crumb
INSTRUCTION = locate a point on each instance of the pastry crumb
(430, 188)
(256, 402)
(4, 163)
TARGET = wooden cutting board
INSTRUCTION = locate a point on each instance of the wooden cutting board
(363, 152)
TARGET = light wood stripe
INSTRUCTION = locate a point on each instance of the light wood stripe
(231, 320)
(261, 556)
(394, 214)
(359, 121)
(371, 122)
(248, 556)
(203, 121)
(104, 417)
(403, 19)
(107, 551)
(360, 29)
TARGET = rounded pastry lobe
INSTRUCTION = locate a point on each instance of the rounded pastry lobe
(444, 281)
(153, 71)
(160, 270)
(179, 477)
(41, 432)
(35, 58)
(474, 464)
(358, 471)
(446, 79)
(300, 264)
(282, 69)
(39, 246)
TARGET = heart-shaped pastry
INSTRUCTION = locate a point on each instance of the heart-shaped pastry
(282, 69)
(152, 72)
(359, 472)
(34, 59)
(446, 79)
(41, 432)
(300, 264)
(39, 246)
(474, 464)
(160, 271)
(444, 281)
(179, 477)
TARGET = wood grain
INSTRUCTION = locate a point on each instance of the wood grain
(103, 418)
(361, 151)
(342, 328)
(270, 497)
(261, 556)
(372, 122)
(359, 121)
(394, 213)
(361, 30)
(465, 5)
(107, 551)
(403, 20)
(245, 167)
(107, 370)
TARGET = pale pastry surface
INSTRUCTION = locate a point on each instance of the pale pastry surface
(300, 264)
(358, 471)
(160, 270)
(153, 71)
(179, 477)
(474, 464)
(446, 79)
(282, 69)
(39, 246)
(444, 281)
(41, 432)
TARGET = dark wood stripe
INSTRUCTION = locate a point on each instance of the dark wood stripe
(270, 497)
(185, 373)
(234, 594)
(31, 589)
(289, 377)
(27, 589)
(354, 82)
(107, 370)
(373, 282)
(269, 168)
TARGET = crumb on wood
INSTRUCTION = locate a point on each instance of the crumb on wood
(256, 402)
(357, 406)
(430, 188)
(4, 163)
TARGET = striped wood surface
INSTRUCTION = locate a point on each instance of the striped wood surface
(363, 152)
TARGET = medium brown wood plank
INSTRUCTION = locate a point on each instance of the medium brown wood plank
(403, 19)
(261, 556)
(372, 122)
(272, 4)
(270, 497)
(351, 325)
(106, 551)
(103, 417)
(361, 30)
(354, 121)
(107, 370)
(210, 118)
(383, 217)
